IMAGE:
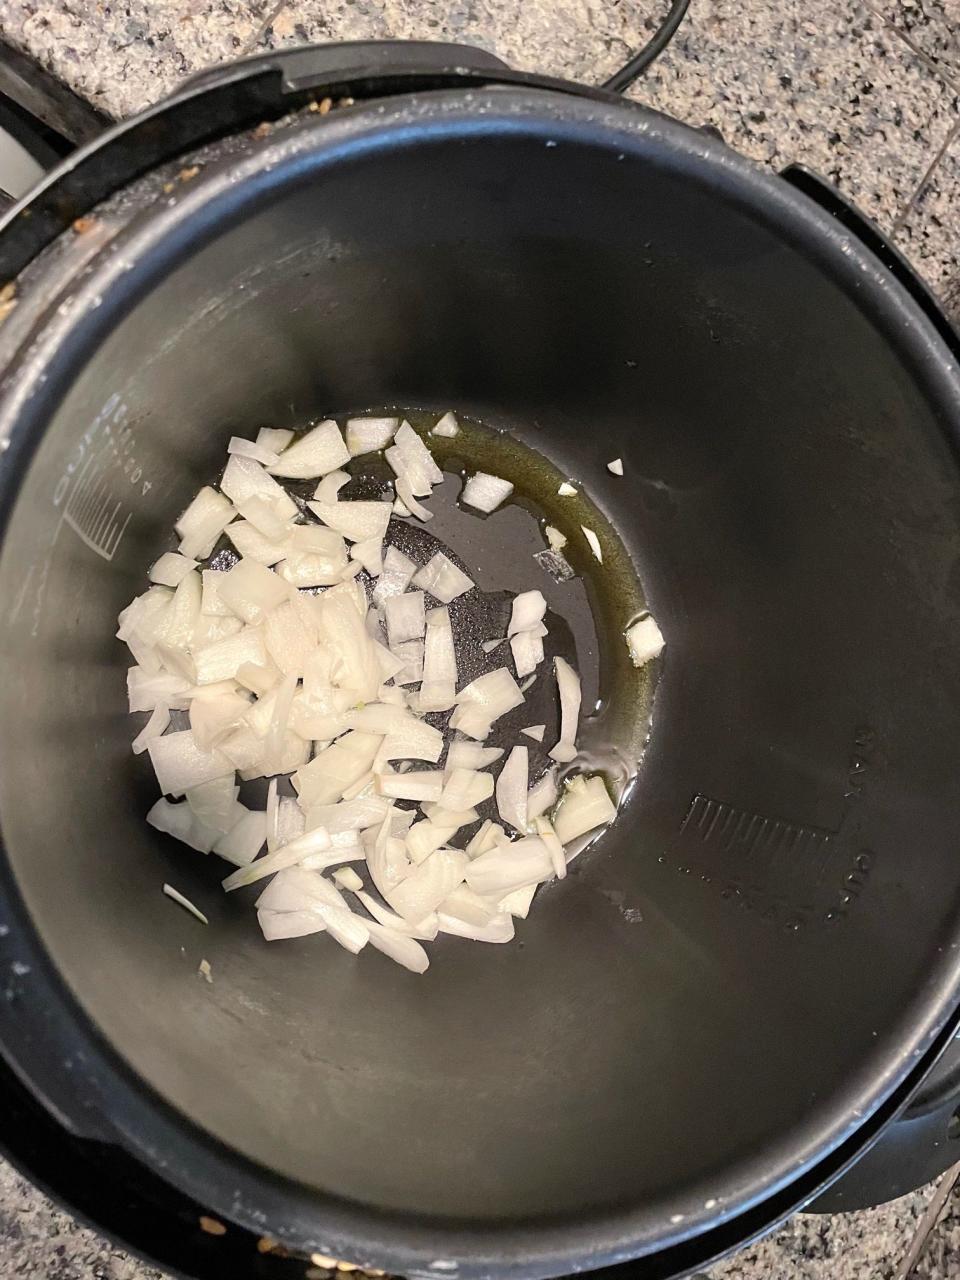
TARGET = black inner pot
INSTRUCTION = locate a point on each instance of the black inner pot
(603, 283)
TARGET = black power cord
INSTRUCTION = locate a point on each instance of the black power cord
(650, 51)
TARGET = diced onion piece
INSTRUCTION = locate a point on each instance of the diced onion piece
(447, 426)
(616, 466)
(315, 453)
(245, 838)
(568, 683)
(251, 591)
(331, 772)
(144, 691)
(644, 640)
(470, 755)
(527, 650)
(542, 795)
(465, 788)
(369, 552)
(488, 646)
(274, 438)
(277, 926)
(398, 571)
(509, 866)
(243, 478)
(210, 602)
(348, 878)
(400, 508)
(328, 489)
(171, 569)
(426, 837)
(421, 892)
(155, 727)
(203, 522)
(253, 545)
(349, 815)
(343, 630)
(548, 835)
(413, 463)
(180, 764)
(406, 496)
(405, 951)
(406, 619)
(487, 837)
(527, 612)
(535, 731)
(466, 905)
(411, 653)
(178, 897)
(500, 928)
(567, 490)
(179, 821)
(250, 449)
(442, 579)
(369, 435)
(258, 678)
(594, 542)
(426, 929)
(214, 804)
(485, 492)
(555, 539)
(425, 784)
(264, 515)
(518, 902)
(356, 521)
(512, 789)
(222, 660)
(438, 689)
(483, 701)
(310, 843)
(585, 806)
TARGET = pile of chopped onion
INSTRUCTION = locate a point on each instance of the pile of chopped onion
(316, 659)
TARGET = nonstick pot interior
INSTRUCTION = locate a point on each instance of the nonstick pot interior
(747, 962)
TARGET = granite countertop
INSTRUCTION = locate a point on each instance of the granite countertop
(867, 94)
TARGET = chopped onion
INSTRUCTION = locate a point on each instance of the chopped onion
(509, 866)
(485, 492)
(439, 686)
(466, 905)
(644, 640)
(263, 514)
(185, 902)
(327, 776)
(465, 788)
(488, 646)
(426, 784)
(616, 466)
(421, 892)
(203, 522)
(512, 789)
(527, 650)
(527, 612)
(584, 807)
(406, 619)
(328, 490)
(548, 835)
(179, 821)
(250, 449)
(369, 435)
(405, 951)
(254, 545)
(568, 683)
(411, 652)
(500, 928)
(427, 929)
(314, 454)
(356, 521)
(398, 571)
(594, 542)
(470, 755)
(446, 426)
(277, 925)
(274, 438)
(442, 579)
(485, 700)
(486, 838)
(542, 795)
(180, 764)
(348, 878)
(251, 591)
(310, 843)
(155, 727)
(245, 838)
(409, 502)
(243, 478)
(214, 804)
(518, 902)
(555, 539)
(369, 552)
(535, 731)
(426, 837)
(413, 463)
(349, 815)
(222, 660)
(171, 569)
(400, 508)
(145, 692)
(567, 490)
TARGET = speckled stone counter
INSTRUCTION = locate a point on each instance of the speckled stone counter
(865, 93)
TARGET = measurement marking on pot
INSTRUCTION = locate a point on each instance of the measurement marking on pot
(751, 836)
(103, 464)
